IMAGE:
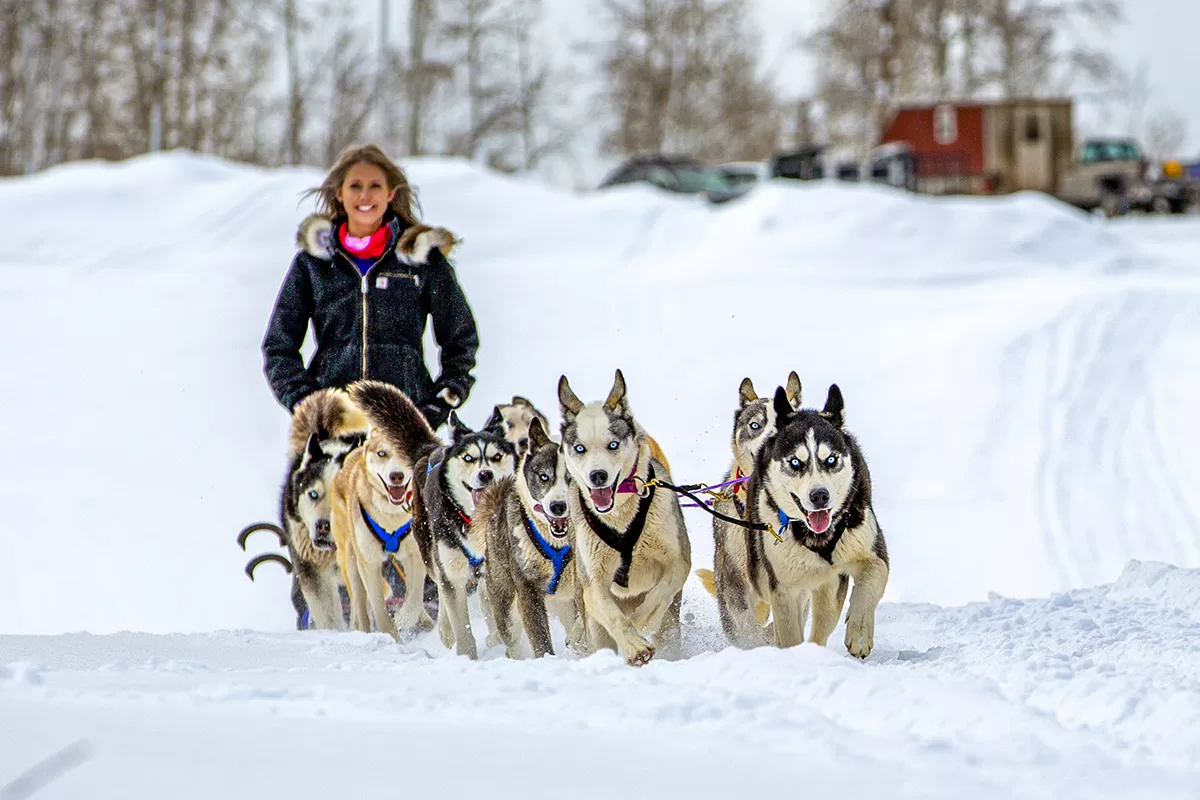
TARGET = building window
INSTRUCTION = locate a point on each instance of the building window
(945, 124)
(1033, 128)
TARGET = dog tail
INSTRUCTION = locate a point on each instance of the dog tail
(709, 581)
(657, 454)
(327, 413)
(389, 409)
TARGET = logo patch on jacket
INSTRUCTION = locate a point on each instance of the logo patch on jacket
(381, 283)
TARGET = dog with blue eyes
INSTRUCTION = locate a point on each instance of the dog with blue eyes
(632, 550)
(811, 484)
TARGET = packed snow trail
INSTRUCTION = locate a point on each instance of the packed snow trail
(1092, 693)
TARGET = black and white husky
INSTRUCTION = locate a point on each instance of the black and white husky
(811, 483)
(632, 550)
(530, 561)
(451, 480)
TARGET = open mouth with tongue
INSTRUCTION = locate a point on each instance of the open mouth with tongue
(397, 493)
(603, 499)
(475, 493)
(818, 520)
(558, 525)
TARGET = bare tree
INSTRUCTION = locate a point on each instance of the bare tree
(480, 33)
(1166, 132)
(684, 75)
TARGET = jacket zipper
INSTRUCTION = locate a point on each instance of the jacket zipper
(366, 281)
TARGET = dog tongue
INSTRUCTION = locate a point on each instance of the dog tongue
(475, 494)
(602, 498)
(396, 493)
(818, 520)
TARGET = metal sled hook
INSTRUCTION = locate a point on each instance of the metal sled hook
(253, 563)
(261, 526)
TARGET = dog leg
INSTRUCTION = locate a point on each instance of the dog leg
(501, 628)
(452, 601)
(532, 605)
(789, 619)
(669, 638)
(870, 579)
(376, 590)
(360, 616)
(413, 618)
(825, 612)
(604, 614)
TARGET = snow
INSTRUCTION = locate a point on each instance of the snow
(1021, 376)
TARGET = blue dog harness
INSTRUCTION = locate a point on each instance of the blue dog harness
(558, 556)
(390, 540)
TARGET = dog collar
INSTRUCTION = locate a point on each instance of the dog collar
(390, 540)
(475, 561)
(825, 551)
(621, 541)
(559, 557)
(739, 478)
(629, 485)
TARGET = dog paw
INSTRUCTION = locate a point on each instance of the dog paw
(860, 635)
(640, 655)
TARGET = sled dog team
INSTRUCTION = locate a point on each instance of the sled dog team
(574, 523)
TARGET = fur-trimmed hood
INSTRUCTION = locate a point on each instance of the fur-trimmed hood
(315, 237)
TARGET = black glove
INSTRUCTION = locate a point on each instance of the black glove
(437, 412)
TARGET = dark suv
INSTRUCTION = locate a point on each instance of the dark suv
(676, 174)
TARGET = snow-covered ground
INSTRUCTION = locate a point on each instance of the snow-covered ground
(1022, 378)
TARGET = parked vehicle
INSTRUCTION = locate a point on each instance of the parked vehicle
(1108, 175)
(676, 174)
(745, 174)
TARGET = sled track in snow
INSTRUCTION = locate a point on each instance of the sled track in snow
(1105, 488)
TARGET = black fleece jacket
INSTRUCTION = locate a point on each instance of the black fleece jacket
(372, 326)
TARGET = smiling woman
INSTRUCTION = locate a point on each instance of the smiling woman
(368, 275)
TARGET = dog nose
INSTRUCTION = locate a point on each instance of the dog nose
(558, 509)
(819, 498)
(396, 477)
(485, 477)
(598, 477)
(322, 527)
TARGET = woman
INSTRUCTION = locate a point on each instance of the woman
(367, 275)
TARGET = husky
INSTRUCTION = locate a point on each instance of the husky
(632, 550)
(513, 421)
(325, 427)
(450, 480)
(375, 507)
(529, 556)
(372, 524)
(742, 610)
(811, 481)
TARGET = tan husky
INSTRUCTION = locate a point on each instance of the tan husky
(372, 523)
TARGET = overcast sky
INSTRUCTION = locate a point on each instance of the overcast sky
(1163, 34)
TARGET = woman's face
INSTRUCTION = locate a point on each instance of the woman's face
(365, 196)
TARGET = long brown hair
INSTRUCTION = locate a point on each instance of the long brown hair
(403, 201)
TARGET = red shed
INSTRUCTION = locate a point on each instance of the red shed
(986, 147)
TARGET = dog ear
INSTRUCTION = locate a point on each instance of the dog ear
(495, 422)
(835, 407)
(783, 407)
(517, 400)
(616, 395)
(567, 401)
(312, 450)
(746, 393)
(538, 438)
(793, 389)
(457, 428)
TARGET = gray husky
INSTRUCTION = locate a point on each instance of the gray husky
(450, 482)
(632, 550)
(811, 482)
(743, 612)
(529, 555)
